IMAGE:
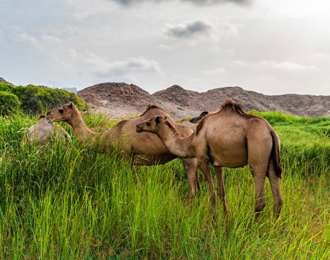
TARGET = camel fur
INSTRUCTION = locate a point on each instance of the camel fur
(229, 138)
(102, 127)
(143, 149)
(42, 132)
(192, 122)
(196, 119)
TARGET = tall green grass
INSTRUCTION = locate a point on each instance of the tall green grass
(66, 202)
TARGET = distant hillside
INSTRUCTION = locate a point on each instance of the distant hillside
(299, 105)
(4, 81)
(121, 99)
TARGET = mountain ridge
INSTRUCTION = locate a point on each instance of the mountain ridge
(120, 99)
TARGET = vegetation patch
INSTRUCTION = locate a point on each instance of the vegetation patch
(35, 99)
(66, 202)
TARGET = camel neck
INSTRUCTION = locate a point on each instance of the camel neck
(181, 147)
(84, 135)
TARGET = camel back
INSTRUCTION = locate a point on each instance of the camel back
(150, 106)
(228, 104)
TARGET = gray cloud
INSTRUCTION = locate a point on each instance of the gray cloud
(184, 31)
(197, 2)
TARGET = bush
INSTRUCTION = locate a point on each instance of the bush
(6, 87)
(8, 103)
(36, 99)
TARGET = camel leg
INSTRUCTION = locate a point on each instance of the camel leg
(191, 168)
(221, 187)
(205, 168)
(259, 184)
(276, 189)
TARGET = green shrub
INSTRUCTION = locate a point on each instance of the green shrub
(6, 87)
(8, 103)
(36, 99)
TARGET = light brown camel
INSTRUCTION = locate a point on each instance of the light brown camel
(42, 131)
(192, 122)
(143, 149)
(196, 119)
(230, 138)
(187, 123)
(102, 127)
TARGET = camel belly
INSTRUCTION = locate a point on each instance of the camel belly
(153, 160)
(231, 154)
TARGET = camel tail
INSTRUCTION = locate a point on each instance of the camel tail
(276, 155)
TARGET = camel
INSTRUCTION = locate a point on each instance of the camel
(187, 123)
(192, 122)
(102, 127)
(143, 149)
(230, 138)
(42, 131)
(196, 119)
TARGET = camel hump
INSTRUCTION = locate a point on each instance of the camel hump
(228, 104)
(151, 106)
(276, 155)
(235, 106)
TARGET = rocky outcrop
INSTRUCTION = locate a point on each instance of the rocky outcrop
(4, 81)
(299, 105)
(121, 99)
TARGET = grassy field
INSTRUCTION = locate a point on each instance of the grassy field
(63, 202)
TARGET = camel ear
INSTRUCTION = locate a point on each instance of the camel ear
(157, 119)
(165, 117)
(70, 105)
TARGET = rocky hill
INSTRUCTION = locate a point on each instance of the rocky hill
(4, 81)
(122, 100)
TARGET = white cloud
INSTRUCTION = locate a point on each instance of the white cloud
(286, 65)
(50, 39)
(164, 47)
(217, 71)
(102, 67)
(25, 37)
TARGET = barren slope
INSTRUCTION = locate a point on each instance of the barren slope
(121, 100)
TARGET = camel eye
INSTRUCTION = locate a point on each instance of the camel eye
(61, 111)
(148, 124)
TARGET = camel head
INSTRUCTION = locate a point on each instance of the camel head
(196, 119)
(63, 113)
(150, 125)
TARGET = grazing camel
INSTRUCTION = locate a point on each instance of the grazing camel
(42, 131)
(143, 149)
(230, 138)
(187, 123)
(102, 127)
(192, 122)
(196, 119)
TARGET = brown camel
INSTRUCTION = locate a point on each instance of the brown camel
(42, 131)
(143, 149)
(196, 119)
(230, 138)
(102, 127)
(187, 123)
(192, 122)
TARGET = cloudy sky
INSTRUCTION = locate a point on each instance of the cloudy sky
(272, 47)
